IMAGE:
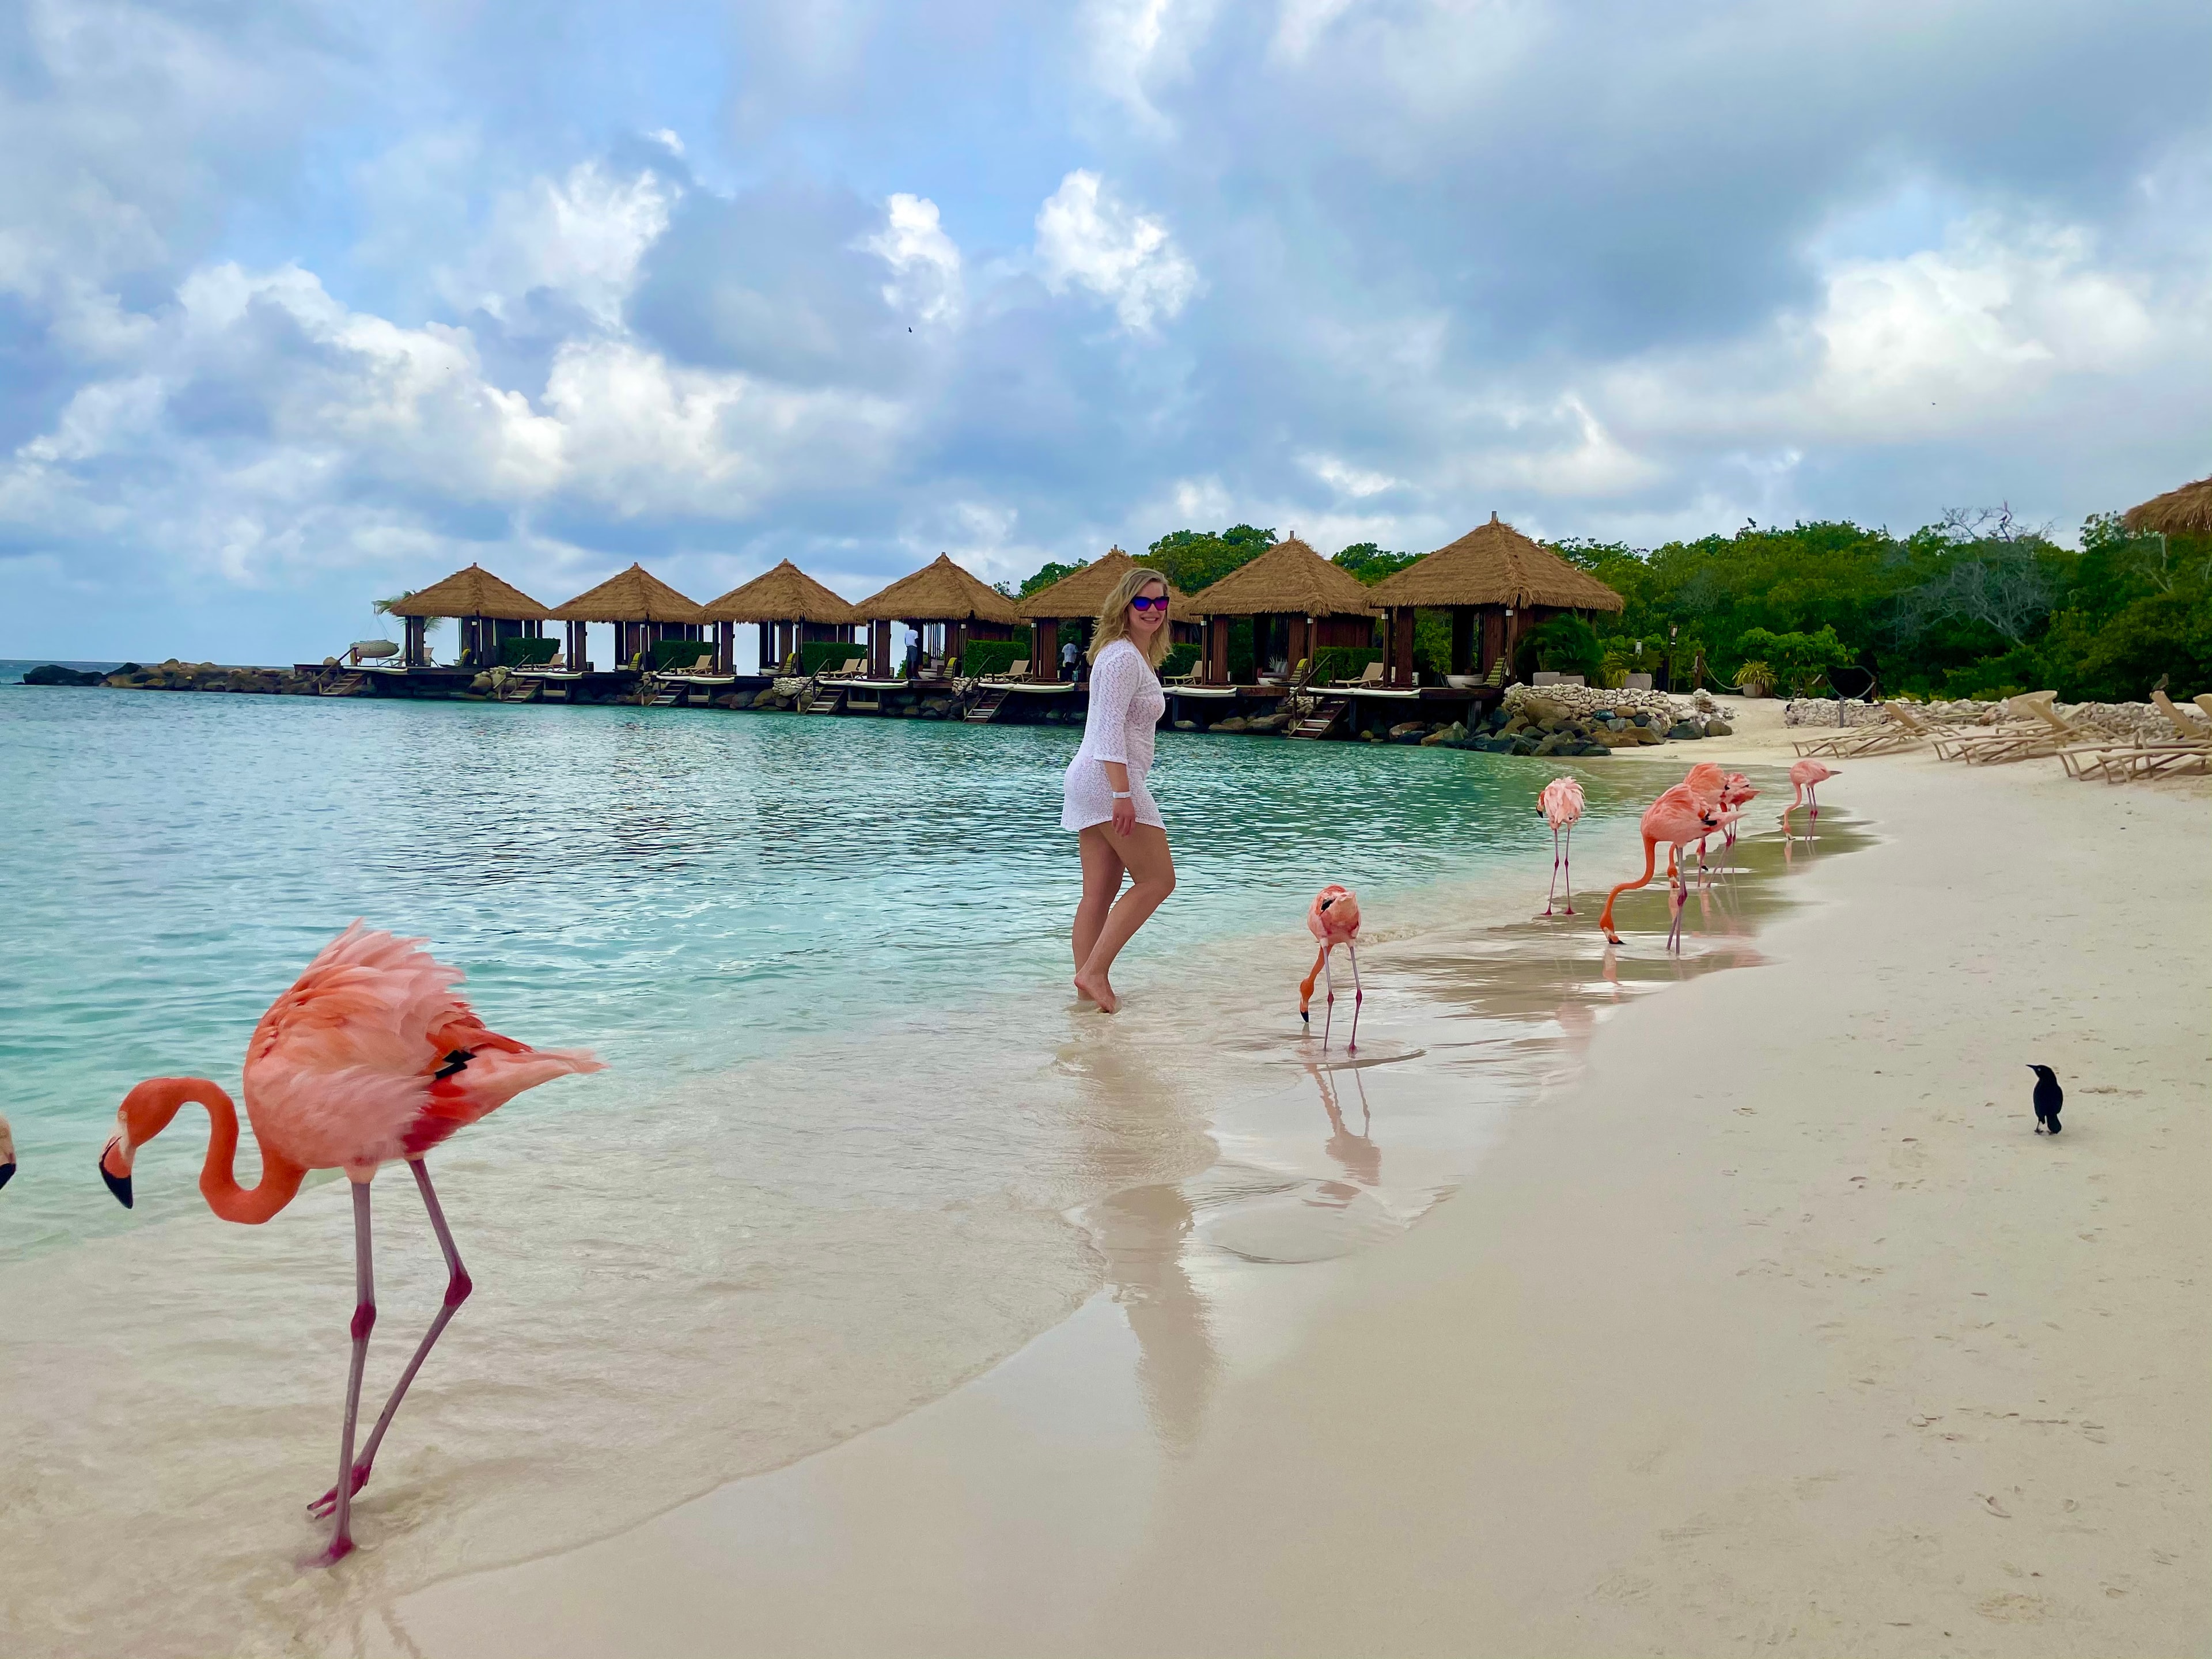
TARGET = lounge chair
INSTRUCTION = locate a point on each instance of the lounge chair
(852, 670)
(1370, 676)
(2044, 733)
(2190, 749)
(1016, 670)
(1898, 731)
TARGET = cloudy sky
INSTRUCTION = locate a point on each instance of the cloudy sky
(305, 303)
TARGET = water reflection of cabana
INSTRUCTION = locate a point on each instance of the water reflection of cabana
(644, 609)
(1070, 606)
(942, 603)
(1299, 603)
(489, 611)
(790, 608)
(1497, 584)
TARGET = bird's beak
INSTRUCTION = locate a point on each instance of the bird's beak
(118, 1182)
(7, 1173)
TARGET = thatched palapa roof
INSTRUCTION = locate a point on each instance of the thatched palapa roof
(1289, 579)
(1084, 592)
(939, 591)
(634, 596)
(2183, 512)
(471, 593)
(1494, 564)
(786, 593)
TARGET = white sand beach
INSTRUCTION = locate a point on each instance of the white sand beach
(1771, 1324)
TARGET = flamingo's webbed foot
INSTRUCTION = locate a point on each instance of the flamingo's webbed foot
(323, 1507)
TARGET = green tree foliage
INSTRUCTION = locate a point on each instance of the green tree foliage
(1370, 563)
(1054, 571)
(1975, 604)
(1565, 645)
(1801, 660)
(1192, 559)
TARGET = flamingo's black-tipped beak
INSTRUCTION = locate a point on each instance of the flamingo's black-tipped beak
(7, 1173)
(1305, 1019)
(118, 1184)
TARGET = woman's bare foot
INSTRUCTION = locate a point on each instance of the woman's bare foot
(1096, 987)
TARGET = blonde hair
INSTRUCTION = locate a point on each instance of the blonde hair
(1114, 617)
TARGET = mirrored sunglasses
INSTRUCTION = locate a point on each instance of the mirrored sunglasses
(1143, 604)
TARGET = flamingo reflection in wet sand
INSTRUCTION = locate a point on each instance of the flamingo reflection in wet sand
(1561, 804)
(1688, 812)
(1332, 918)
(1805, 777)
(369, 1059)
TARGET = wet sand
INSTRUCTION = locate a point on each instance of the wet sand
(1771, 1323)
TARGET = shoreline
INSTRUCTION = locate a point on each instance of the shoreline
(1661, 1376)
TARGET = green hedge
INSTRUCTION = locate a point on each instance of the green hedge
(520, 653)
(687, 652)
(816, 655)
(1179, 659)
(1343, 662)
(993, 656)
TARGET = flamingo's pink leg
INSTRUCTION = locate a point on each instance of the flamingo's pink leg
(1359, 996)
(1569, 859)
(458, 1287)
(1329, 1014)
(364, 1322)
(1678, 897)
(1554, 887)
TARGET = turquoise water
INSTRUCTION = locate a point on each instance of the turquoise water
(682, 890)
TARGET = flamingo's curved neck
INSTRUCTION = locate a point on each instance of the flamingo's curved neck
(146, 1111)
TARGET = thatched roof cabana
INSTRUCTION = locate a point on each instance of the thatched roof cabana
(1289, 579)
(636, 595)
(1295, 598)
(1082, 593)
(471, 593)
(2183, 512)
(1075, 601)
(1494, 564)
(786, 593)
(490, 611)
(792, 609)
(644, 609)
(939, 592)
(1495, 582)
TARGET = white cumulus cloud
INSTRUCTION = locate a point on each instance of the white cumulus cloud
(1087, 238)
(925, 262)
(582, 237)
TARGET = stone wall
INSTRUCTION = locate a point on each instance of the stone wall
(2116, 720)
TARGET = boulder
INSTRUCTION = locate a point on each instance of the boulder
(1234, 723)
(1186, 725)
(1437, 739)
(1593, 749)
(1719, 729)
(54, 674)
(1683, 730)
(1405, 728)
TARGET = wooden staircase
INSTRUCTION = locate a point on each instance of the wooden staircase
(1324, 719)
(824, 699)
(985, 710)
(346, 685)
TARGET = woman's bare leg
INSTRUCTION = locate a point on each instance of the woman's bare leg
(1102, 871)
(1144, 852)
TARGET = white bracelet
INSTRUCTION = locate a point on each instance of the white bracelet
(1125, 795)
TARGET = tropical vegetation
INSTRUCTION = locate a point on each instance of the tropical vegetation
(1977, 604)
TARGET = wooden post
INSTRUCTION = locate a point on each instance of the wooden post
(1216, 650)
(956, 649)
(1044, 649)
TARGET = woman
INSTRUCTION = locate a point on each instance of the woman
(1118, 828)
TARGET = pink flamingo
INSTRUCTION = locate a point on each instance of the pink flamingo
(1561, 804)
(1705, 782)
(1736, 793)
(1805, 777)
(368, 1058)
(1334, 919)
(1679, 816)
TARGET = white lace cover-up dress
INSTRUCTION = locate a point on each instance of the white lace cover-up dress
(1126, 705)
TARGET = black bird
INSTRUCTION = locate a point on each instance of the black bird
(2049, 1097)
